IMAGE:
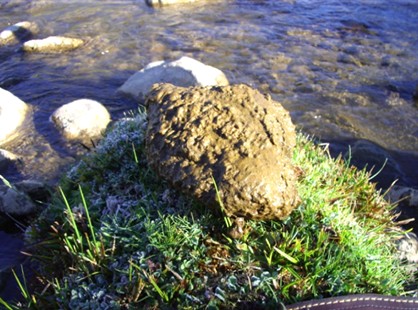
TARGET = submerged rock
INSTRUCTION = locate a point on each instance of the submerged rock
(232, 135)
(183, 72)
(54, 44)
(12, 115)
(81, 119)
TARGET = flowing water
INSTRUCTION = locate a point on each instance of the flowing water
(346, 70)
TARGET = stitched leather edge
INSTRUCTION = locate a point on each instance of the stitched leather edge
(381, 301)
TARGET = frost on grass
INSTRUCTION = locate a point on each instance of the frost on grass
(158, 249)
(113, 164)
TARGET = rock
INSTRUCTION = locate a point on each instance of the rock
(404, 195)
(7, 158)
(36, 190)
(21, 200)
(12, 114)
(408, 248)
(242, 139)
(406, 199)
(158, 3)
(15, 202)
(17, 32)
(52, 44)
(81, 119)
(183, 72)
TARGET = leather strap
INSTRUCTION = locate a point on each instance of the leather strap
(358, 302)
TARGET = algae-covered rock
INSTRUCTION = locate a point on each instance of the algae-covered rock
(236, 135)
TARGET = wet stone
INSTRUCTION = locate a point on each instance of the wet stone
(21, 201)
(17, 32)
(13, 112)
(14, 202)
(53, 44)
(232, 135)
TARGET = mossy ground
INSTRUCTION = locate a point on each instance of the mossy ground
(117, 237)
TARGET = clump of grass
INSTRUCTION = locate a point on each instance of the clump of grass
(117, 237)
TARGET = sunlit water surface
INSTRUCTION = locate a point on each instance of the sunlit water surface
(346, 70)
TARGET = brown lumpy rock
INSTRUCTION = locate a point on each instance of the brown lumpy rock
(232, 134)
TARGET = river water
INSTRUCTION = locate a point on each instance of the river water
(346, 70)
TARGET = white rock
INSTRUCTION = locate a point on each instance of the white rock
(12, 114)
(155, 3)
(18, 31)
(81, 119)
(183, 72)
(53, 44)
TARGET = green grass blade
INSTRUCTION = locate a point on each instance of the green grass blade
(287, 256)
(227, 220)
(22, 287)
(70, 213)
(93, 235)
(5, 304)
(135, 155)
(162, 294)
(7, 183)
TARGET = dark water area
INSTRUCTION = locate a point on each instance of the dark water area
(346, 70)
(11, 257)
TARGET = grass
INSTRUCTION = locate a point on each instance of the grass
(117, 237)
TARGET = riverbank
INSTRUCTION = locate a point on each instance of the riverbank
(117, 235)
